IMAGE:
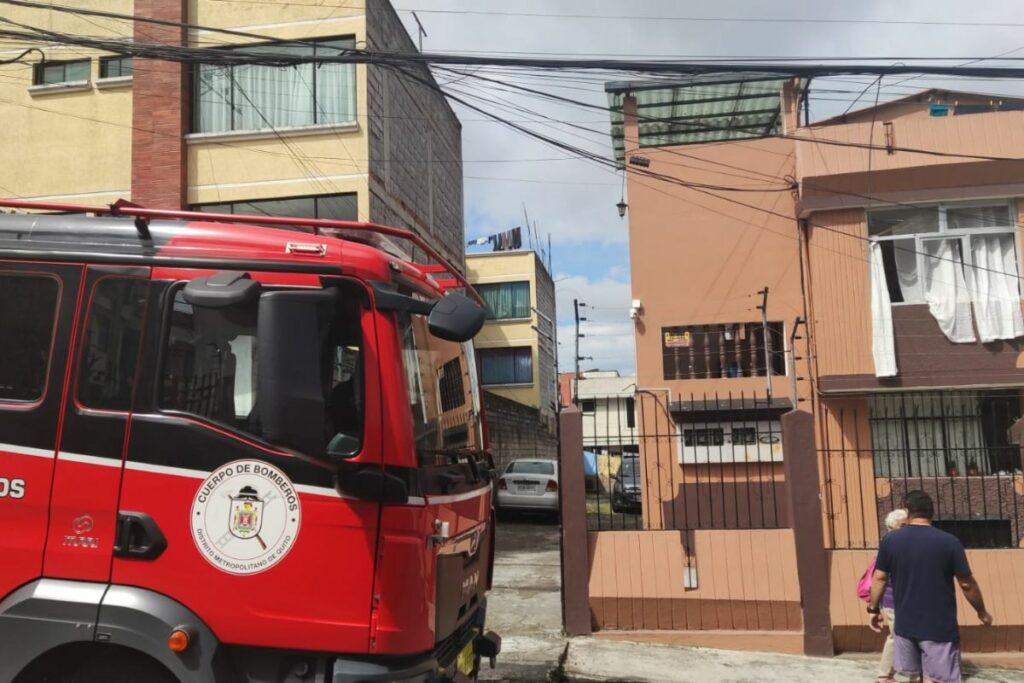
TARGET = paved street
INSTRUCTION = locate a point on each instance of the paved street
(525, 605)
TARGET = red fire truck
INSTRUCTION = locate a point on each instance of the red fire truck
(237, 448)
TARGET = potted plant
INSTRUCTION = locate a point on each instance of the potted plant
(972, 468)
(951, 469)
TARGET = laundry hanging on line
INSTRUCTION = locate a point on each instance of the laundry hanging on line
(509, 240)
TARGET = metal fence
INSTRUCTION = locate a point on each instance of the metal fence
(955, 445)
(705, 462)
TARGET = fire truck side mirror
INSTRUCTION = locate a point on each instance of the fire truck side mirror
(226, 288)
(456, 318)
(291, 329)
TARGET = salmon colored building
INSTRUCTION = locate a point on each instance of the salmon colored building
(863, 271)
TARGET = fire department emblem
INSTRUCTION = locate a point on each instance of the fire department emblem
(245, 517)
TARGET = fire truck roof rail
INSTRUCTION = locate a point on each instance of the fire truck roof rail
(142, 215)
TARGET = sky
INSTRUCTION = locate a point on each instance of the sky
(573, 200)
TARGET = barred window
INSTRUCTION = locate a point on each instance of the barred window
(723, 351)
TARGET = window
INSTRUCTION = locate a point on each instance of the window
(337, 207)
(588, 405)
(924, 249)
(253, 97)
(506, 366)
(453, 392)
(51, 73)
(944, 434)
(111, 347)
(744, 436)
(704, 437)
(736, 438)
(531, 467)
(115, 67)
(979, 533)
(630, 413)
(629, 470)
(506, 300)
(211, 363)
(730, 350)
(28, 309)
(440, 384)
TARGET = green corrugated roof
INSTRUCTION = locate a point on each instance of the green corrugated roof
(706, 108)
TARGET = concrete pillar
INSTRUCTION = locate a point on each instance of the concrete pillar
(575, 544)
(803, 490)
(161, 111)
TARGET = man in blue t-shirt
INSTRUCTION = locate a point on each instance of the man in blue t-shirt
(922, 561)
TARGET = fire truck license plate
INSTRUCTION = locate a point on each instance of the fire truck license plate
(465, 661)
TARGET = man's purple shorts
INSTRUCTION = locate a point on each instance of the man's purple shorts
(937, 661)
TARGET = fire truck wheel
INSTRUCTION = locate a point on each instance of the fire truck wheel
(118, 666)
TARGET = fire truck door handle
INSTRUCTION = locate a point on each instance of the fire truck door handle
(138, 537)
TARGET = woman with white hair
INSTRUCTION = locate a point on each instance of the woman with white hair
(894, 520)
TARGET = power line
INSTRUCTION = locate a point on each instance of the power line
(659, 18)
(700, 19)
(704, 127)
(81, 11)
(710, 192)
(356, 56)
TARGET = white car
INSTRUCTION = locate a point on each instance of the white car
(529, 486)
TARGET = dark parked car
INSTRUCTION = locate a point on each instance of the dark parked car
(626, 487)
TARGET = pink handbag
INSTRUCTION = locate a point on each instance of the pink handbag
(864, 585)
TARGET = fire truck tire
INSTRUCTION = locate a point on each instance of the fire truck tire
(118, 665)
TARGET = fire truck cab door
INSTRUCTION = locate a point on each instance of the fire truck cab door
(259, 543)
(37, 312)
(100, 386)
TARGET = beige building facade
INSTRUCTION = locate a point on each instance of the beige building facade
(340, 141)
(516, 347)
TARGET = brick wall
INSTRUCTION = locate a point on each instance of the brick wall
(518, 431)
(415, 143)
(160, 112)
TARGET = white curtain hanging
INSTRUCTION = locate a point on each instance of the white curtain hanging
(946, 291)
(336, 93)
(214, 98)
(883, 347)
(993, 286)
(276, 97)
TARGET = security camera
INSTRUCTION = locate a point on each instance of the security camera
(634, 309)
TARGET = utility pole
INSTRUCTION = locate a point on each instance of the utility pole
(576, 305)
(767, 343)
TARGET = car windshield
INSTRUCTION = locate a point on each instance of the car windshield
(628, 470)
(531, 467)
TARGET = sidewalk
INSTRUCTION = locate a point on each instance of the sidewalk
(590, 660)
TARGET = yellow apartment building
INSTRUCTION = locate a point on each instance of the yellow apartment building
(327, 140)
(516, 348)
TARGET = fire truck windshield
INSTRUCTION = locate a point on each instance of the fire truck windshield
(212, 360)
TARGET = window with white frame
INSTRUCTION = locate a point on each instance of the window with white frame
(248, 97)
(925, 247)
